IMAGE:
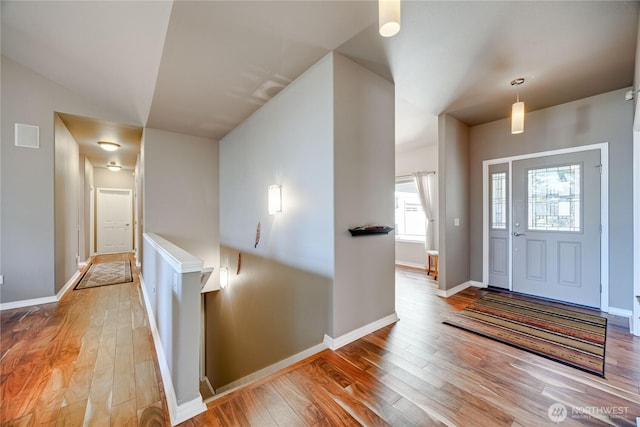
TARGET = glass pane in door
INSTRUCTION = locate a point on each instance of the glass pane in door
(554, 198)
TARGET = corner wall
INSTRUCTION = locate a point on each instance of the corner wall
(27, 177)
(328, 140)
(180, 184)
(278, 303)
(67, 203)
(453, 191)
(364, 188)
(424, 158)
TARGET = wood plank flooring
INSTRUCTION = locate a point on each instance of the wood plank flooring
(419, 372)
(89, 360)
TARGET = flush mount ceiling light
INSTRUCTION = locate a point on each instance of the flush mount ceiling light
(388, 17)
(108, 146)
(517, 109)
(113, 167)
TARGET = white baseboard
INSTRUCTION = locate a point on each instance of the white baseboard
(211, 389)
(43, 300)
(336, 343)
(27, 302)
(68, 285)
(461, 287)
(449, 292)
(477, 284)
(411, 265)
(622, 313)
(177, 413)
(226, 389)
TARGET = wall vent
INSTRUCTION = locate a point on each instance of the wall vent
(27, 136)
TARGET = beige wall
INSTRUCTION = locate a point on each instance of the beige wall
(364, 187)
(453, 190)
(28, 251)
(180, 188)
(67, 204)
(328, 139)
(104, 178)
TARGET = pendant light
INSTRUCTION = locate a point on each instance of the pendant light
(517, 110)
(389, 17)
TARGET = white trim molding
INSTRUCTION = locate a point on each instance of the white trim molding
(411, 265)
(446, 293)
(604, 211)
(336, 343)
(43, 300)
(258, 375)
(177, 413)
(623, 313)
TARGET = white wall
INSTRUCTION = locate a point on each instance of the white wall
(422, 158)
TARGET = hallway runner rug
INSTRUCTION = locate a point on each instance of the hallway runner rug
(569, 337)
(106, 273)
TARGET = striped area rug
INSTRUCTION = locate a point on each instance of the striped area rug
(569, 337)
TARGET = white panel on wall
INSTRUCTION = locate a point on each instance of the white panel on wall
(27, 136)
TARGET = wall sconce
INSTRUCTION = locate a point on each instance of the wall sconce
(275, 199)
(517, 110)
(388, 17)
(224, 277)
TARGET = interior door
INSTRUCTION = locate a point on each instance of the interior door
(114, 220)
(556, 227)
(499, 225)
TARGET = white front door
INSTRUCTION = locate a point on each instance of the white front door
(114, 220)
(556, 227)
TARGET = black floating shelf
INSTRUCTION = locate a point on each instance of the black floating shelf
(371, 229)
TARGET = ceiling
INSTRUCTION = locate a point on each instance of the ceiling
(202, 67)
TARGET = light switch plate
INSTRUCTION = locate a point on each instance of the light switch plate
(456, 222)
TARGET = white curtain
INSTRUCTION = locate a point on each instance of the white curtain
(426, 185)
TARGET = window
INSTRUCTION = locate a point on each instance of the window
(410, 219)
(499, 201)
(554, 198)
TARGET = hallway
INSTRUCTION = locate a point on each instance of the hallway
(87, 360)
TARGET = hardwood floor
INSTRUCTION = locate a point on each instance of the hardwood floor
(89, 360)
(419, 372)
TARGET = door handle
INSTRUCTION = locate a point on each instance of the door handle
(516, 234)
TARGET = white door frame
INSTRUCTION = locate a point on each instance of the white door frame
(92, 221)
(604, 212)
(98, 222)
